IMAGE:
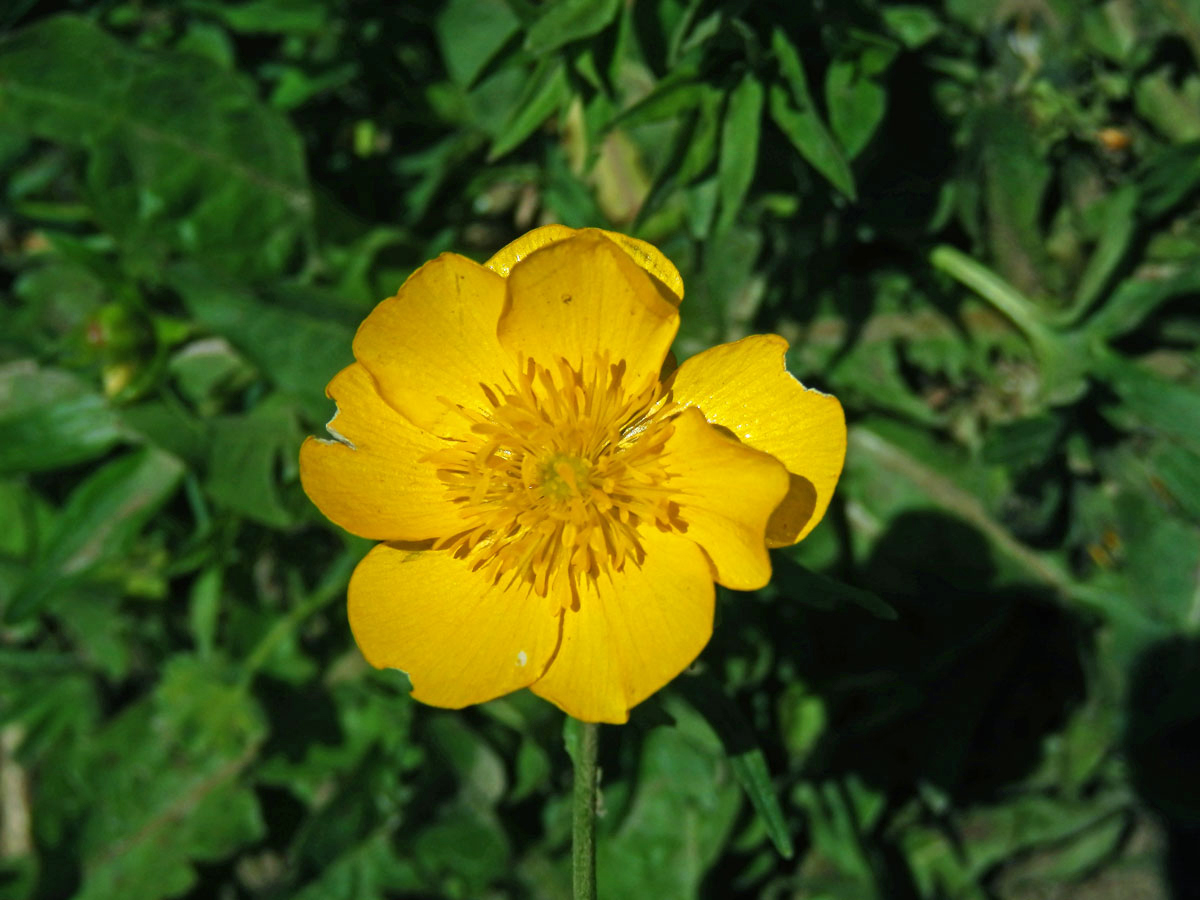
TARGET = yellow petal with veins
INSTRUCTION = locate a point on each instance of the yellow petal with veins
(460, 638)
(646, 255)
(434, 343)
(631, 631)
(745, 387)
(373, 480)
(726, 493)
(584, 296)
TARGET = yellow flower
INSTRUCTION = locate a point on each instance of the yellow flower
(555, 506)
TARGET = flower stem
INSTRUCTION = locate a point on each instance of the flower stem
(583, 844)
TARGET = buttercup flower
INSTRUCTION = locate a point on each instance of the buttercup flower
(554, 504)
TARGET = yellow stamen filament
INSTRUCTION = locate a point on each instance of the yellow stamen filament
(555, 480)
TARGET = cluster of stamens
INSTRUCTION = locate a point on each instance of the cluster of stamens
(554, 480)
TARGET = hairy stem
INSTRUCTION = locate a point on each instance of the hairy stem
(583, 844)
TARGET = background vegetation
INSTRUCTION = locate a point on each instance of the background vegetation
(975, 220)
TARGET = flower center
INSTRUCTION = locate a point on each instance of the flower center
(564, 476)
(555, 479)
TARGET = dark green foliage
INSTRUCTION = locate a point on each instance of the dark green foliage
(976, 223)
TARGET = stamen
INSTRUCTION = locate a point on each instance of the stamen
(556, 480)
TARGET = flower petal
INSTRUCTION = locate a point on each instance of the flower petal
(509, 255)
(582, 296)
(645, 255)
(633, 631)
(371, 481)
(460, 638)
(436, 338)
(726, 492)
(745, 386)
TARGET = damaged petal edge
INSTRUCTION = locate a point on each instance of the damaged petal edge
(338, 437)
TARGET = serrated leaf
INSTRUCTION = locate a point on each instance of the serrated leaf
(1164, 405)
(245, 456)
(371, 869)
(1169, 178)
(162, 804)
(183, 157)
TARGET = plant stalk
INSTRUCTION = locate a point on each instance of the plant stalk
(583, 843)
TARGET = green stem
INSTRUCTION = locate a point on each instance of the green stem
(583, 845)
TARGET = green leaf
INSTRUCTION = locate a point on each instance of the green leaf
(101, 519)
(827, 593)
(164, 802)
(746, 758)
(1169, 178)
(670, 98)
(739, 149)
(856, 105)
(245, 456)
(1170, 109)
(1178, 472)
(793, 110)
(1016, 177)
(546, 91)
(853, 95)
(913, 25)
(1024, 443)
(1166, 406)
(1161, 558)
(296, 351)
(461, 852)
(678, 819)
(271, 16)
(51, 419)
(470, 33)
(183, 157)
(1135, 299)
(702, 148)
(533, 770)
(565, 21)
(1064, 357)
(371, 869)
(1117, 232)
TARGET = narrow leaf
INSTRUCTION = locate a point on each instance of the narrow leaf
(1119, 223)
(546, 91)
(793, 110)
(746, 758)
(100, 520)
(739, 148)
